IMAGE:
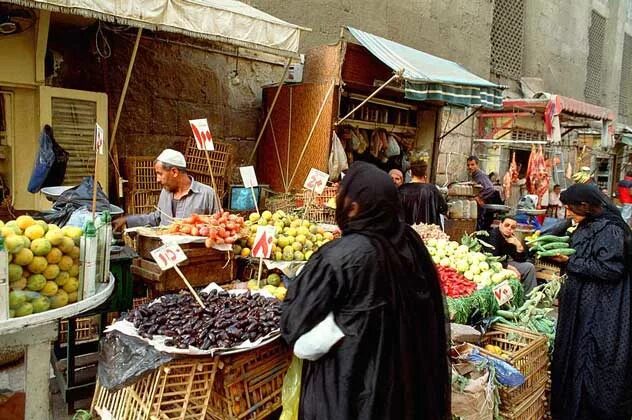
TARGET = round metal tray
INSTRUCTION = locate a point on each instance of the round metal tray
(496, 207)
(531, 212)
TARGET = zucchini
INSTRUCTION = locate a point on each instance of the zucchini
(555, 245)
(549, 238)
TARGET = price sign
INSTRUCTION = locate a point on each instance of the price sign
(248, 176)
(168, 255)
(202, 134)
(98, 138)
(262, 247)
(316, 181)
(503, 293)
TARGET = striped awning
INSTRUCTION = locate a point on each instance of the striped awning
(430, 78)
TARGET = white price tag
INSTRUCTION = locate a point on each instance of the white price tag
(503, 293)
(202, 134)
(248, 176)
(98, 138)
(316, 181)
(262, 247)
(168, 255)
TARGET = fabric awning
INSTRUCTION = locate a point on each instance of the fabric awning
(228, 21)
(428, 77)
(626, 139)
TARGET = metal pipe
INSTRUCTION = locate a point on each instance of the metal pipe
(397, 75)
(461, 122)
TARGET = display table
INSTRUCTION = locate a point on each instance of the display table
(36, 332)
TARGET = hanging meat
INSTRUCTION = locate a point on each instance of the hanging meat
(537, 174)
(511, 177)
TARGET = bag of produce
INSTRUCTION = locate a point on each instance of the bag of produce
(43, 161)
(473, 394)
(291, 391)
(337, 158)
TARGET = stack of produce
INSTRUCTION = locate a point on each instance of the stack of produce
(549, 245)
(430, 232)
(43, 265)
(228, 321)
(484, 270)
(453, 283)
(220, 228)
(296, 239)
(272, 284)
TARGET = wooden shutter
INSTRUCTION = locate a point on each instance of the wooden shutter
(4, 117)
(73, 122)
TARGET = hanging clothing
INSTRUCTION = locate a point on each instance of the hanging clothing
(422, 203)
(592, 359)
(381, 285)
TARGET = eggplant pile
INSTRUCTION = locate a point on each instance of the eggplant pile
(228, 320)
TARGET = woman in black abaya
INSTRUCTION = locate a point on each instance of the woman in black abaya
(592, 359)
(381, 285)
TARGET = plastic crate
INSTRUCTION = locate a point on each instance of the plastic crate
(221, 158)
(527, 352)
(533, 408)
(140, 173)
(177, 390)
(142, 202)
(248, 385)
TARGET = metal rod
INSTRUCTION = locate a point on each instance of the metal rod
(311, 132)
(276, 148)
(265, 122)
(397, 75)
(461, 122)
(509, 141)
(124, 91)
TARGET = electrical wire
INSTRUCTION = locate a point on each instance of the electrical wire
(106, 52)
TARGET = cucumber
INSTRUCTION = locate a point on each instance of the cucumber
(556, 252)
(550, 238)
(555, 245)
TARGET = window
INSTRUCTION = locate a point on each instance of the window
(507, 38)
(73, 114)
(625, 85)
(596, 37)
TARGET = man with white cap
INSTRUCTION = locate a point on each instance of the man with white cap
(180, 197)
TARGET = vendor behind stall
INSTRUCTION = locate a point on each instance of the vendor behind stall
(506, 244)
(421, 202)
(488, 194)
(180, 197)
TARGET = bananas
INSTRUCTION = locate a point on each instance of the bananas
(581, 177)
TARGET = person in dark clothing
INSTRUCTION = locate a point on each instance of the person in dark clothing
(421, 202)
(506, 244)
(380, 283)
(592, 358)
(488, 194)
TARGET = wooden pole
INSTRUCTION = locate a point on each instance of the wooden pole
(311, 132)
(94, 186)
(265, 122)
(210, 169)
(254, 199)
(191, 289)
(260, 271)
(276, 148)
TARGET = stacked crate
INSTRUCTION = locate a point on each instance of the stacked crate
(144, 189)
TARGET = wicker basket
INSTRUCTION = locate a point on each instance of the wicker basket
(321, 215)
(221, 158)
(318, 200)
(281, 202)
(86, 329)
(140, 173)
(241, 386)
(248, 385)
(533, 408)
(11, 354)
(142, 202)
(546, 270)
(456, 228)
(528, 352)
(178, 390)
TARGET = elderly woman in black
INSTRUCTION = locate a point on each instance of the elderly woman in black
(592, 358)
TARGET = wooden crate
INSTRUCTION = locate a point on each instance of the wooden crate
(528, 352)
(205, 178)
(177, 390)
(248, 385)
(546, 270)
(318, 200)
(142, 202)
(221, 158)
(456, 228)
(140, 173)
(321, 215)
(87, 329)
(532, 408)
(281, 202)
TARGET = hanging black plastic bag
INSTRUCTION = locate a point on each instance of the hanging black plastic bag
(43, 161)
(74, 199)
(57, 172)
(123, 360)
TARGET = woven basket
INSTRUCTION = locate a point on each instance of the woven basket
(11, 354)
(532, 408)
(528, 352)
(456, 228)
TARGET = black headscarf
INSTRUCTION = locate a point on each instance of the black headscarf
(590, 194)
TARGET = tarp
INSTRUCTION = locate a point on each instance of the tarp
(428, 77)
(228, 21)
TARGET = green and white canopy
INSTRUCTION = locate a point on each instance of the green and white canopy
(432, 78)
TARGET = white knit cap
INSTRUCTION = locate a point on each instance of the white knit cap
(173, 158)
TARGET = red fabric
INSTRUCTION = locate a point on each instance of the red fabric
(624, 191)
